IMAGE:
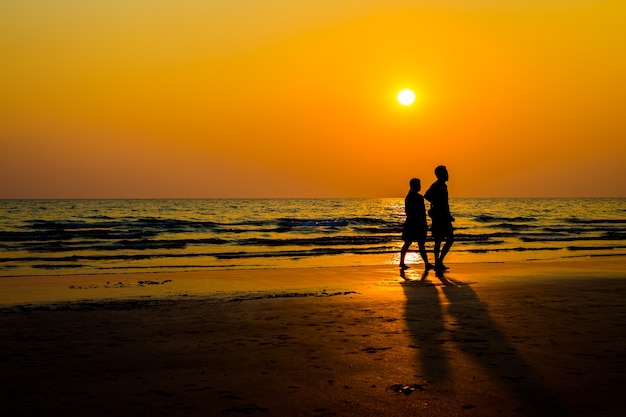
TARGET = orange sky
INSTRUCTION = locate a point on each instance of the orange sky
(276, 98)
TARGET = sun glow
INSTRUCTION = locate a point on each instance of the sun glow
(406, 97)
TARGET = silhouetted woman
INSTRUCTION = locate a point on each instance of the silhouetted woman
(415, 226)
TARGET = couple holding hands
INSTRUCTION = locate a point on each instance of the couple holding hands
(416, 226)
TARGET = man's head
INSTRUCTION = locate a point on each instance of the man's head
(441, 172)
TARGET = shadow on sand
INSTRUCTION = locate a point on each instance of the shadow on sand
(447, 320)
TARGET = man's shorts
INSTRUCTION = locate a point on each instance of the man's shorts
(442, 229)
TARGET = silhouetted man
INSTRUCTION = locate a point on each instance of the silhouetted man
(442, 220)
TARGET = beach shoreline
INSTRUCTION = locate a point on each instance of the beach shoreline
(41, 289)
(521, 339)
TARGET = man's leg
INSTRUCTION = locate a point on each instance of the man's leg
(446, 249)
(437, 250)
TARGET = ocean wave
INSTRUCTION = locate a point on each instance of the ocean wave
(125, 234)
(577, 220)
(72, 234)
(315, 223)
(568, 238)
(511, 226)
(485, 218)
(77, 262)
(595, 248)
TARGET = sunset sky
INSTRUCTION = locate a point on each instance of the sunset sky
(297, 98)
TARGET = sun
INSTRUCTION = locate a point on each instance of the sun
(406, 97)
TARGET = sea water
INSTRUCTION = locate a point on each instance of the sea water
(60, 237)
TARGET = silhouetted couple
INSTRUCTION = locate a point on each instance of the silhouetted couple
(416, 226)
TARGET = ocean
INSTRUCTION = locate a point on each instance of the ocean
(61, 237)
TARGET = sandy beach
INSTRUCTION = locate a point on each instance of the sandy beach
(518, 339)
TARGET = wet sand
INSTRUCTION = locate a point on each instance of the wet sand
(529, 339)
